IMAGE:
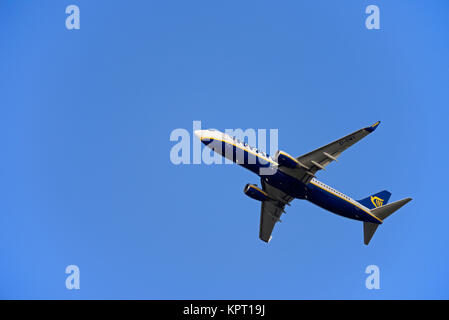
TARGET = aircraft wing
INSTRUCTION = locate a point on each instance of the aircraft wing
(318, 159)
(271, 210)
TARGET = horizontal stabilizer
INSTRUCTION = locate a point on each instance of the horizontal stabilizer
(386, 210)
(382, 213)
(368, 231)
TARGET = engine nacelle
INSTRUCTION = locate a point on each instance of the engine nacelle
(254, 192)
(286, 160)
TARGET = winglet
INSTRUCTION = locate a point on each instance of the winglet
(372, 127)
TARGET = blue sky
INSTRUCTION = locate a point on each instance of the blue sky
(85, 171)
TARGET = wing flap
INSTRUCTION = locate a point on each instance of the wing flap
(271, 210)
(269, 216)
(318, 159)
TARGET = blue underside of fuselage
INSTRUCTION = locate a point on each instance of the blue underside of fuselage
(288, 184)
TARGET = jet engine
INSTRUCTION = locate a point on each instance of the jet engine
(254, 192)
(286, 160)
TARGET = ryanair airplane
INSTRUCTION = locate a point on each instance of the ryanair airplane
(284, 178)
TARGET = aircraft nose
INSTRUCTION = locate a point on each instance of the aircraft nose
(199, 133)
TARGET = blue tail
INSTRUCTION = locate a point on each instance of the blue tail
(376, 200)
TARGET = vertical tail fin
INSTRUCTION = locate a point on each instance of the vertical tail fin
(376, 200)
(382, 213)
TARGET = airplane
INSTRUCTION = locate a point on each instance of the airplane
(284, 178)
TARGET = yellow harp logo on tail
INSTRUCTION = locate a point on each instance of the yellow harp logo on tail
(378, 202)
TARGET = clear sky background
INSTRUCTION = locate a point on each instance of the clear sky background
(85, 171)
